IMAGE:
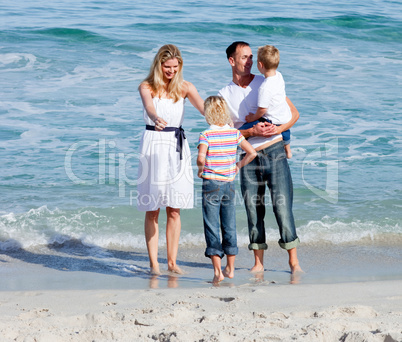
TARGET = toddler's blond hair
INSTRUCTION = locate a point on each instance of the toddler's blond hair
(216, 111)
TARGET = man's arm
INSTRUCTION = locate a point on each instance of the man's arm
(292, 121)
(262, 129)
(265, 129)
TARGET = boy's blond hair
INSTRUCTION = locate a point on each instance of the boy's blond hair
(216, 111)
(268, 55)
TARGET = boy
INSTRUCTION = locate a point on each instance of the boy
(272, 106)
(217, 166)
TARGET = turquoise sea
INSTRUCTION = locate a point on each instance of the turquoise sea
(71, 115)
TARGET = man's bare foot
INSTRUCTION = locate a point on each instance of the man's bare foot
(176, 269)
(227, 272)
(295, 268)
(257, 269)
(155, 271)
(259, 277)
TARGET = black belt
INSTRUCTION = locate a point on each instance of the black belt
(178, 133)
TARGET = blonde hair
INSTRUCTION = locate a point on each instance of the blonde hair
(268, 55)
(155, 77)
(216, 111)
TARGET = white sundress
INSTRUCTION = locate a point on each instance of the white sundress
(163, 179)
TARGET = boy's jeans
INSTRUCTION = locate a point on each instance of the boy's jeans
(285, 134)
(218, 211)
(271, 168)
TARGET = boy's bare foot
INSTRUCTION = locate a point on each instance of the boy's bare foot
(288, 151)
(227, 272)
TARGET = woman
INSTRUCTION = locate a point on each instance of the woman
(165, 178)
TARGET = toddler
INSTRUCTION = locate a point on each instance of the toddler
(272, 105)
(217, 167)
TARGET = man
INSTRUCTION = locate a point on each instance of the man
(270, 167)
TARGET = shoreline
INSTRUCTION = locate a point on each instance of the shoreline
(91, 268)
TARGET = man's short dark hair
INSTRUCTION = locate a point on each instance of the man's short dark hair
(232, 48)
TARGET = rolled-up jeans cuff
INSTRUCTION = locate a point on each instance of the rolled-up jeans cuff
(289, 245)
(231, 250)
(213, 251)
(257, 246)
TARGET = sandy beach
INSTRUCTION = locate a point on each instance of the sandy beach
(343, 301)
(367, 311)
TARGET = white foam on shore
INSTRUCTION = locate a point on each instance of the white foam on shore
(123, 228)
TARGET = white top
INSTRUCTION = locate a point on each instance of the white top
(241, 102)
(272, 95)
(219, 128)
(164, 180)
(171, 112)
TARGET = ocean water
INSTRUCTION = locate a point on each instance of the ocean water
(71, 115)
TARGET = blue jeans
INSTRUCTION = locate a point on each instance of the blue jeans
(270, 168)
(218, 211)
(285, 134)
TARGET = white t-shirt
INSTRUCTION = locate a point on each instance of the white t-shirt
(272, 95)
(241, 102)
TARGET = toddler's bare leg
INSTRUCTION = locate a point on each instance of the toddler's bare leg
(216, 263)
(229, 269)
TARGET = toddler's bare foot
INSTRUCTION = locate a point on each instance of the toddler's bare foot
(227, 272)
(218, 278)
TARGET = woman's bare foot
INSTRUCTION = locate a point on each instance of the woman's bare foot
(228, 272)
(155, 270)
(176, 269)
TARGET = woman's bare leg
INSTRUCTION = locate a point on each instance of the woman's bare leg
(151, 237)
(173, 228)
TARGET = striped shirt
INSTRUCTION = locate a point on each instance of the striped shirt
(220, 161)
